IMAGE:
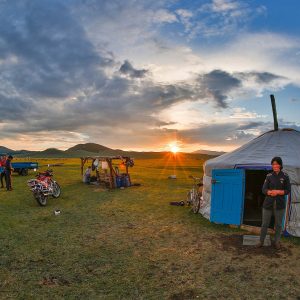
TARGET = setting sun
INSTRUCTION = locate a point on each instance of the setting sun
(174, 148)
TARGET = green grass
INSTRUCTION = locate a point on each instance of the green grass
(131, 244)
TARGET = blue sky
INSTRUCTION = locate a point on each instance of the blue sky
(141, 75)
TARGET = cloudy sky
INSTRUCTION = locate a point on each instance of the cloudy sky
(145, 74)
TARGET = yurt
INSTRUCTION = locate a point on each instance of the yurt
(232, 182)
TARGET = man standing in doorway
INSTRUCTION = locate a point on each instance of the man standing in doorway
(276, 186)
(8, 172)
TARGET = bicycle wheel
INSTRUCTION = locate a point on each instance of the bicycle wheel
(196, 203)
(189, 198)
(201, 200)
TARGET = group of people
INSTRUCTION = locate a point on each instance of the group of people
(6, 170)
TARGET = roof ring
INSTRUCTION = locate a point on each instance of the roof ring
(288, 129)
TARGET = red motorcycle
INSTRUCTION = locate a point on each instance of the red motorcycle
(44, 186)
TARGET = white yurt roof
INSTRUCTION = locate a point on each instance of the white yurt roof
(284, 143)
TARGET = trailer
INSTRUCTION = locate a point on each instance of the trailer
(22, 167)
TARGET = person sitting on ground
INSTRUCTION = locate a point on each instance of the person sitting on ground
(276, 186)
(87, 175)
(2, 169)
(8, 171)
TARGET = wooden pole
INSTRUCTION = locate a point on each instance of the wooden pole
(274, 112)
(112, 184)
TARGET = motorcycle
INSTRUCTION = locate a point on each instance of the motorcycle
(44, 186)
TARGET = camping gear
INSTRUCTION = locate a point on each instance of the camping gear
(123, 180)
(44, 186)
(96, 163)
(177, 203)
(227, 178)
(56, 212)
(108, 174)
(104, 165)
(118, 181)
(129, 162)
(117, 171)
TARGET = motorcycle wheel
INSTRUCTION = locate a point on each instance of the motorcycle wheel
(40, 198)
(56, 190)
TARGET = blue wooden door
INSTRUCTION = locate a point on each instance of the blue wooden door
(227, 196)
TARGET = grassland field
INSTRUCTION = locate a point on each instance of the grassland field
(131, 244)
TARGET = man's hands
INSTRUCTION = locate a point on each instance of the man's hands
(274, 193)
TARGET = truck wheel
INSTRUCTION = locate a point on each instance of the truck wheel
(24, 172)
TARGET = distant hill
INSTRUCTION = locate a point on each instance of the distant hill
(6, 150)
(208, 152)
(92, 149)
(50, 152)
(89, 147)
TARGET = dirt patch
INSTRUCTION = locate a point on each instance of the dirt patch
(130, 226)
(100, 189)
(54, 281)
(234, 243)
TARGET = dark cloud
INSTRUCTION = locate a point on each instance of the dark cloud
(229, 133)
(162, 123)
(265, 77)
(259, 77)
(128, 69)
(218, 84)
(53, 56)
(220, 80)
(251, 125)
(295, 100)
(221, 134)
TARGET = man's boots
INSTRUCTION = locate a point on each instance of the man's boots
(277, 245)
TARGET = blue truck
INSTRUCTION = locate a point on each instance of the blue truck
(22, 167)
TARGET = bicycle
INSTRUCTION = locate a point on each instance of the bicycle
(194, 196)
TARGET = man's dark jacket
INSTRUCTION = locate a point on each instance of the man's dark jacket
(8, 166)
(280, 181)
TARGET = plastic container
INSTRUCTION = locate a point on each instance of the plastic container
(125, 180)
(118, 181)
